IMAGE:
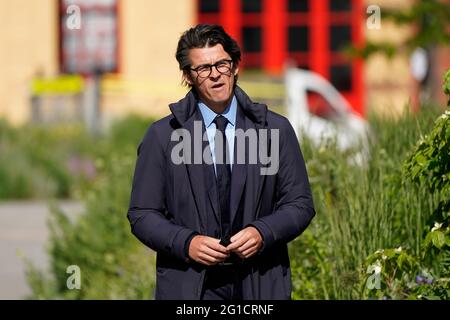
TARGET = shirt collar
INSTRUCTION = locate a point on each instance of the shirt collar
(209, 115)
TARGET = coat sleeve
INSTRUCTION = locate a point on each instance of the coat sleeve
(147, 212)
(294, 207)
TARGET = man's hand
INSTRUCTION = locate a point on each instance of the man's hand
(246, 242)
(207, 250)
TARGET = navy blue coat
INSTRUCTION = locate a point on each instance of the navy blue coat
(169, 202)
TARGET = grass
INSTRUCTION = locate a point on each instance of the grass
(359, 209)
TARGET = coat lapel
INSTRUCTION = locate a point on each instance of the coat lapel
(259, 178)
(188, 117)
(239, 171)
(195, 172)
(254, 117)
(211, 185)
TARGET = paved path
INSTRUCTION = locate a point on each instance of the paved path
(24, 232)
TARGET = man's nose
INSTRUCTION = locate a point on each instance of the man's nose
(214, 73)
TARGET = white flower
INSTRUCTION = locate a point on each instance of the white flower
(377, 269)
(384, 257)
(437, 226)
(398, 250)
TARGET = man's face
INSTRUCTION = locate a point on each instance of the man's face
(216, 89)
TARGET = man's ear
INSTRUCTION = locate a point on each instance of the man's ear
(187, 77)
(236, 71)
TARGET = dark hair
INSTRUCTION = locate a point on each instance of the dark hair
(206, 35)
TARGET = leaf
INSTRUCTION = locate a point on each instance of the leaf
(428, 240)
(390, 253)
(401, 260)
(432, 297)
(438, 239)
(421, 159)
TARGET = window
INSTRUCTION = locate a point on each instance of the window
(340, 5)
(341, 77)
(252, 39)
(319, 106)
(298, 6)
(309, 34)
(209, 6)
(298, 38)
(252, 35)
(251, 6)
(340, 36)
(93, 47)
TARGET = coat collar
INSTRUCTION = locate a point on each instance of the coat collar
(184, 109)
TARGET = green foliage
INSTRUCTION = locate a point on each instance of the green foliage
(396, 274)
(311, 267)
(360, 210)
(128, 131)
(446, 86)
(57, 161)
(436, 258)
(113, 263)
(389, 273)
(370, 48)
(438, 237)
(430, 19)
(431, 16)
(35, 161)
(428, 166)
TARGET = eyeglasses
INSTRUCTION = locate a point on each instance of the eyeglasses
(222, 66)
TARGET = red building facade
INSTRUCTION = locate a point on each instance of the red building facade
(307, 33)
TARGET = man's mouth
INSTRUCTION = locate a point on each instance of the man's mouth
(218, 85)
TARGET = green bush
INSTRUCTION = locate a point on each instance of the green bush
(112, 262)
(360, 209)
(35, 161)
(57, 161)
(428, 167)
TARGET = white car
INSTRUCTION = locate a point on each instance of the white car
(318, 110)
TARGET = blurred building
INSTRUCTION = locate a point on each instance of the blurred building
(132, 44)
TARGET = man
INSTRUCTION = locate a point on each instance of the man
(220, 226)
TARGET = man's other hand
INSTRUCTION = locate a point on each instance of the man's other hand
(246, 242)
(207, 250)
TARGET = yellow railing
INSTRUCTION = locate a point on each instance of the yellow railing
(118, 85)
(63, 85)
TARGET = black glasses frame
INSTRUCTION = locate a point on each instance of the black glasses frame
(215, 65)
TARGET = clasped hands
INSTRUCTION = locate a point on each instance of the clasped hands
(207, 250)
